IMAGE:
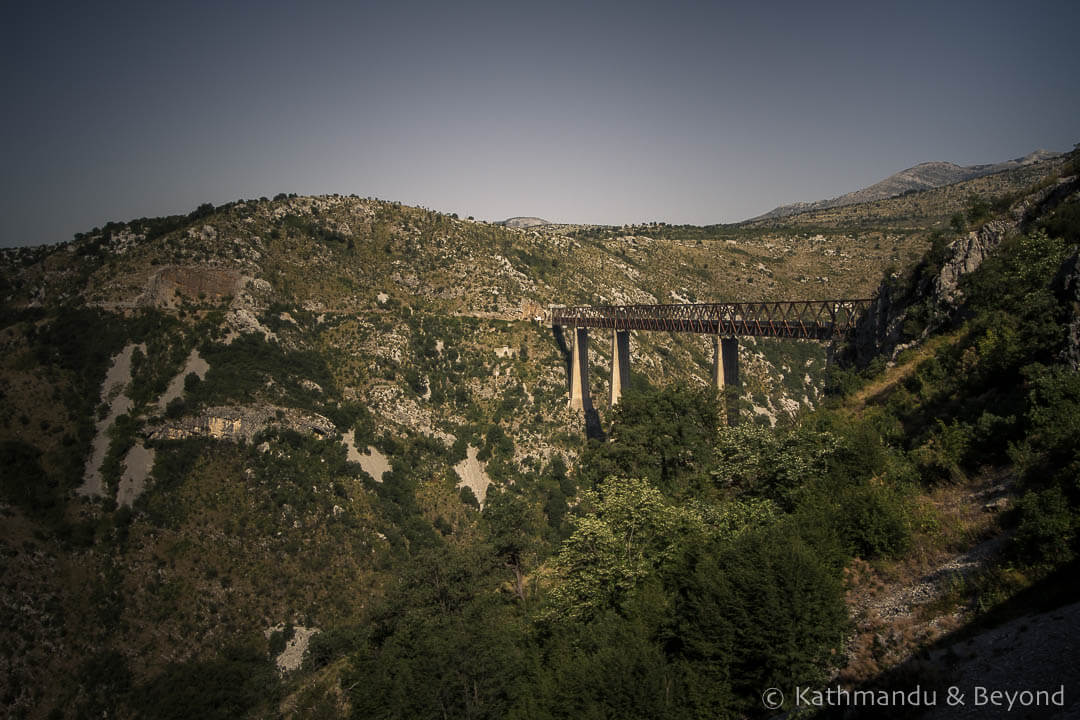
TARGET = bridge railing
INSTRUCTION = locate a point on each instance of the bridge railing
(807, 319)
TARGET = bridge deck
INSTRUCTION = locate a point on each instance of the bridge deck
(810, 319)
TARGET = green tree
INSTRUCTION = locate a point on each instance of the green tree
(628, 532)
(760, 611)
(775, 464)
(442, 644)
(956, 222)
(514, 526)
(663, 435)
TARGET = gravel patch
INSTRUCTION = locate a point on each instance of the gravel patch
(194, 364)
(373, 462)
(473, 475)
(137, 465)
(112, 392)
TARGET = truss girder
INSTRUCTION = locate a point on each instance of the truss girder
(802, 319)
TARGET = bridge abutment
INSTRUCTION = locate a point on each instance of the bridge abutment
(579, 371)
(620, 364)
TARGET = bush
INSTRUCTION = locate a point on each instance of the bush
(943, 456)
(328, 645)
(842, 382)
(873, 521)
(175, 408)
(23, 482)
(468, 497)
(1047, 527)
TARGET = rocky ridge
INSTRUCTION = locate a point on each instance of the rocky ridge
(920, 177)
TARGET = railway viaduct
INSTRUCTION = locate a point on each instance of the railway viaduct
(819, 320)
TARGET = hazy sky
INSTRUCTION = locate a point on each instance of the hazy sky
(575, 112)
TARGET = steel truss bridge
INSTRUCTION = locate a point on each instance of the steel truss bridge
(800, 319)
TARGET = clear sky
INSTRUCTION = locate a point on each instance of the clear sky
(606, 112)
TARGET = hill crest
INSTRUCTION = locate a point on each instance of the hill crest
(524, 222)
(924, 176)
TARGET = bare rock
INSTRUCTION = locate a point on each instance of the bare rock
(242, 423)
(966, 254)
(244, 322)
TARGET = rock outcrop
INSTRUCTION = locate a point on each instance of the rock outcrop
(242, 423)
(966, 254)
(881, 332)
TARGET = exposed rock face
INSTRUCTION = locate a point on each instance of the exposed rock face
(293, 655)
(371, 461)
(193, 364)
(242, 423)
(1067, 288)
(473, 474)
(137, 465)
(966, 254)
(881, 331)
(243, 322)
(531, 310)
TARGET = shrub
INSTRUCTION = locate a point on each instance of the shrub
(23, 482)
(324, 647)
(1047, 527)
(468, 497)
(873, 521)
(943, 456)
(175, 408)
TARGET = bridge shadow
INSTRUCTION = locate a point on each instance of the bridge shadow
(560, 340)
(594, 430)
(730, 404)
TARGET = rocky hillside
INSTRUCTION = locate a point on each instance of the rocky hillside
(242, 446)
(923, 176)
(368, 271)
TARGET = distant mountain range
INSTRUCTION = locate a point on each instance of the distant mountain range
(524, 222)
(923, 176)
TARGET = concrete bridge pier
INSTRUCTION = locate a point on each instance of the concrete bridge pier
(579, 371)
(726, 374)
(620, 364)
(725, 362)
